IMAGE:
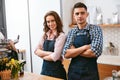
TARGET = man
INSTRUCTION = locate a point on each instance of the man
(84, 45)
(10, 45)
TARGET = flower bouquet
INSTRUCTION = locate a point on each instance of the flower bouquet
(5, 72)
(15, 66)
(3, 63)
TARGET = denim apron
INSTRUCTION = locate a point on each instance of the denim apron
(51, 68)
(83, 68)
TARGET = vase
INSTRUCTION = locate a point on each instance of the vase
(14, 75)
(5, 75)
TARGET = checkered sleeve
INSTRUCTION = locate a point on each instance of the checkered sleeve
(69, 41)
(97, 40)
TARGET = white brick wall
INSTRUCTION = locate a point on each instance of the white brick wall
(111, 34)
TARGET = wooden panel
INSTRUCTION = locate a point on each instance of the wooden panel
(106, 70)
(66, 63)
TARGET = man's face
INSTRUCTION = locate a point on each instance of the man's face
(80, 15)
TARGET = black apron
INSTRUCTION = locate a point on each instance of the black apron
(51, 68)
(83, 68)
(13, 54)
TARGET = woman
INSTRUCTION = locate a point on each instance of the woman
(51, 45)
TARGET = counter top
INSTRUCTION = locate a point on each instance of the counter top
(103, 59)
(108, 59)
(33, 76)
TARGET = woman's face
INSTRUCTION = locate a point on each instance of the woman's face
(51, 23)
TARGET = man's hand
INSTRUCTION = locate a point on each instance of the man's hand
(71, 50)
(72, 47)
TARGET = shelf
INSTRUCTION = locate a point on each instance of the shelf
(102, 25)
(110, 25)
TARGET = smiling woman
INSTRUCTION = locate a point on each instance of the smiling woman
(51, 45)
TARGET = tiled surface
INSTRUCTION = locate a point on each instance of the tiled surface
(111, 34)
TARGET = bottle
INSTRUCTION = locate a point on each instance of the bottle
(115, 18)
(114, 74)
(99, 19)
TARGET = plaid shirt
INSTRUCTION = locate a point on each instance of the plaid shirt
(96, 37)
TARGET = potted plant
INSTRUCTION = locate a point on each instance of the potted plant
(5, 72)
(10, 66)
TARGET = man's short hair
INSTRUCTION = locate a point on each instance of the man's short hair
(80, 5)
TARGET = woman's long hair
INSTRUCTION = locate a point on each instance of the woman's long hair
(58, 21)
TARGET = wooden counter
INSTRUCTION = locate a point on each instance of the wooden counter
(105, 70)
(33, 76)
